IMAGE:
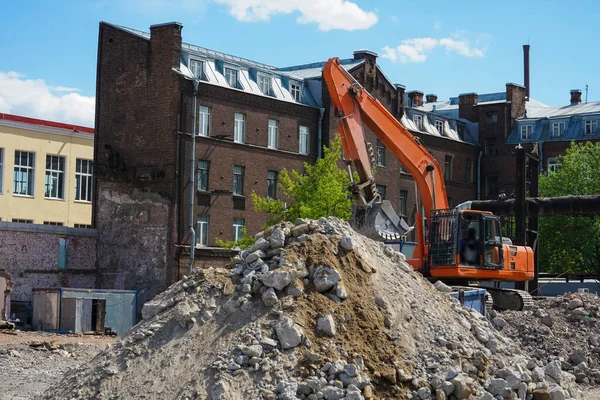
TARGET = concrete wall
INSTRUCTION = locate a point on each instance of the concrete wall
(30, 254)
(42, 141)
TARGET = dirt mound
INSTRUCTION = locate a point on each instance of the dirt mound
(312, 311)
(566, 329)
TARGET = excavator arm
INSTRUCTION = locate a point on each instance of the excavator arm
(354, 107)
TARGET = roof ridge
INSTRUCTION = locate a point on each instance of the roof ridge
(315, 65)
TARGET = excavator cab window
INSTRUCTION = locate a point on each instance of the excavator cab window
(493, 256)
(470, 243)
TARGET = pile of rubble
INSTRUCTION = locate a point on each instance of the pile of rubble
(313, 311)
(562, 330)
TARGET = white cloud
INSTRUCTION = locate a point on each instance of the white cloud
(327, 14)
(417, 50)
(34, 98)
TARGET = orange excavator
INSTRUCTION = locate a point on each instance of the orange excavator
(458, 246)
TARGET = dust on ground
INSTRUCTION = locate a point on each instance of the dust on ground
(30, 362)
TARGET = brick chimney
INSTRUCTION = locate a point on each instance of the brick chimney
(431, 98)
(575, 96)
(165, 45)
(515, 94)
(370, 71)
(466, 106)
(400, 100)
(415, 98)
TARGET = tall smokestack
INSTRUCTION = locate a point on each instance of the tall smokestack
(526, 69)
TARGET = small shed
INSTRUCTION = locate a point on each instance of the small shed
(84, 310)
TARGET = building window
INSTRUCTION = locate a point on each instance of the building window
(203, 167)
(590, 127)
(197, 68)
(448, 168)
(526, 131)
(231, 77)
(491, 186)
(238, 180)
(83, 180)
(238, 228)
(273, 134)
(380, 153)
(303, 140)
(239, 129)
(272, 184)
(204, 121)
(439, 125)
(460, 129)
(1, 171)
(490, 146)
(55, 177)
(469, 171)
(402, 167)
(553, 164)
(418, 120)
(558, 128)
(24, 172)
(264, 84)
(491, 117)
(53, 223)
(295, 91)
(83, 226)
(381, 189)
(202, 230)
(402, 204)
(22, 221)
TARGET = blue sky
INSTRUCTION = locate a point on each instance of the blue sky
(48, 49)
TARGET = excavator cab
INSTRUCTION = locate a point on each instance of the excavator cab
(481, 240)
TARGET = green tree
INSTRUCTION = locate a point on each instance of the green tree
(322, 191)
(571, 243)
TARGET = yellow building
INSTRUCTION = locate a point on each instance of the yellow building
(45, 172)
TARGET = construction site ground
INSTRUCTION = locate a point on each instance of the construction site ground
(30, 362)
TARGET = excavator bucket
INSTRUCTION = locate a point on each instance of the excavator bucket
(379, 222)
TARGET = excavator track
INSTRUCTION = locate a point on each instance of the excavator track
(510, 299)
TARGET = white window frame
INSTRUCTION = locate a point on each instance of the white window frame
(84, 175)
(82, 226)
(526, 132)
(439, 125)
(591, 123)
(418, 120)
(54, 176)
(27, 169)
(553, 163)
(206, 168)
(1, 171)
(194, 70)
(203, 121)
(240, 186)
(273, 134)
(52, 223)
(261, 80)
(202, 230)
(303, 139)
(296, 91)
(558, 125)
(238, 225)
(239, 128)
(230, 73)
(22, 221)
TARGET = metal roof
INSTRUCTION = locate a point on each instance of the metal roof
(539, 110)
(314, 70)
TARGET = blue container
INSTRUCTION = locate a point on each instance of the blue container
(472, 298)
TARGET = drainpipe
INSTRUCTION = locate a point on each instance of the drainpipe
(479, 174)
(320, 132)
(541, 166)
(192, 176)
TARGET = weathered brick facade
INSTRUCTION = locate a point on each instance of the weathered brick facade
(142, 151)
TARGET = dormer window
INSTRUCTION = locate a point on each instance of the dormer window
(295, 91)
(197, 68)
(231, 76)
(264, 84)
(418, 120)
(526, 131)
(439, 125)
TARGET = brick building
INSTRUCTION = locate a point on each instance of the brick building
(252, 120)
